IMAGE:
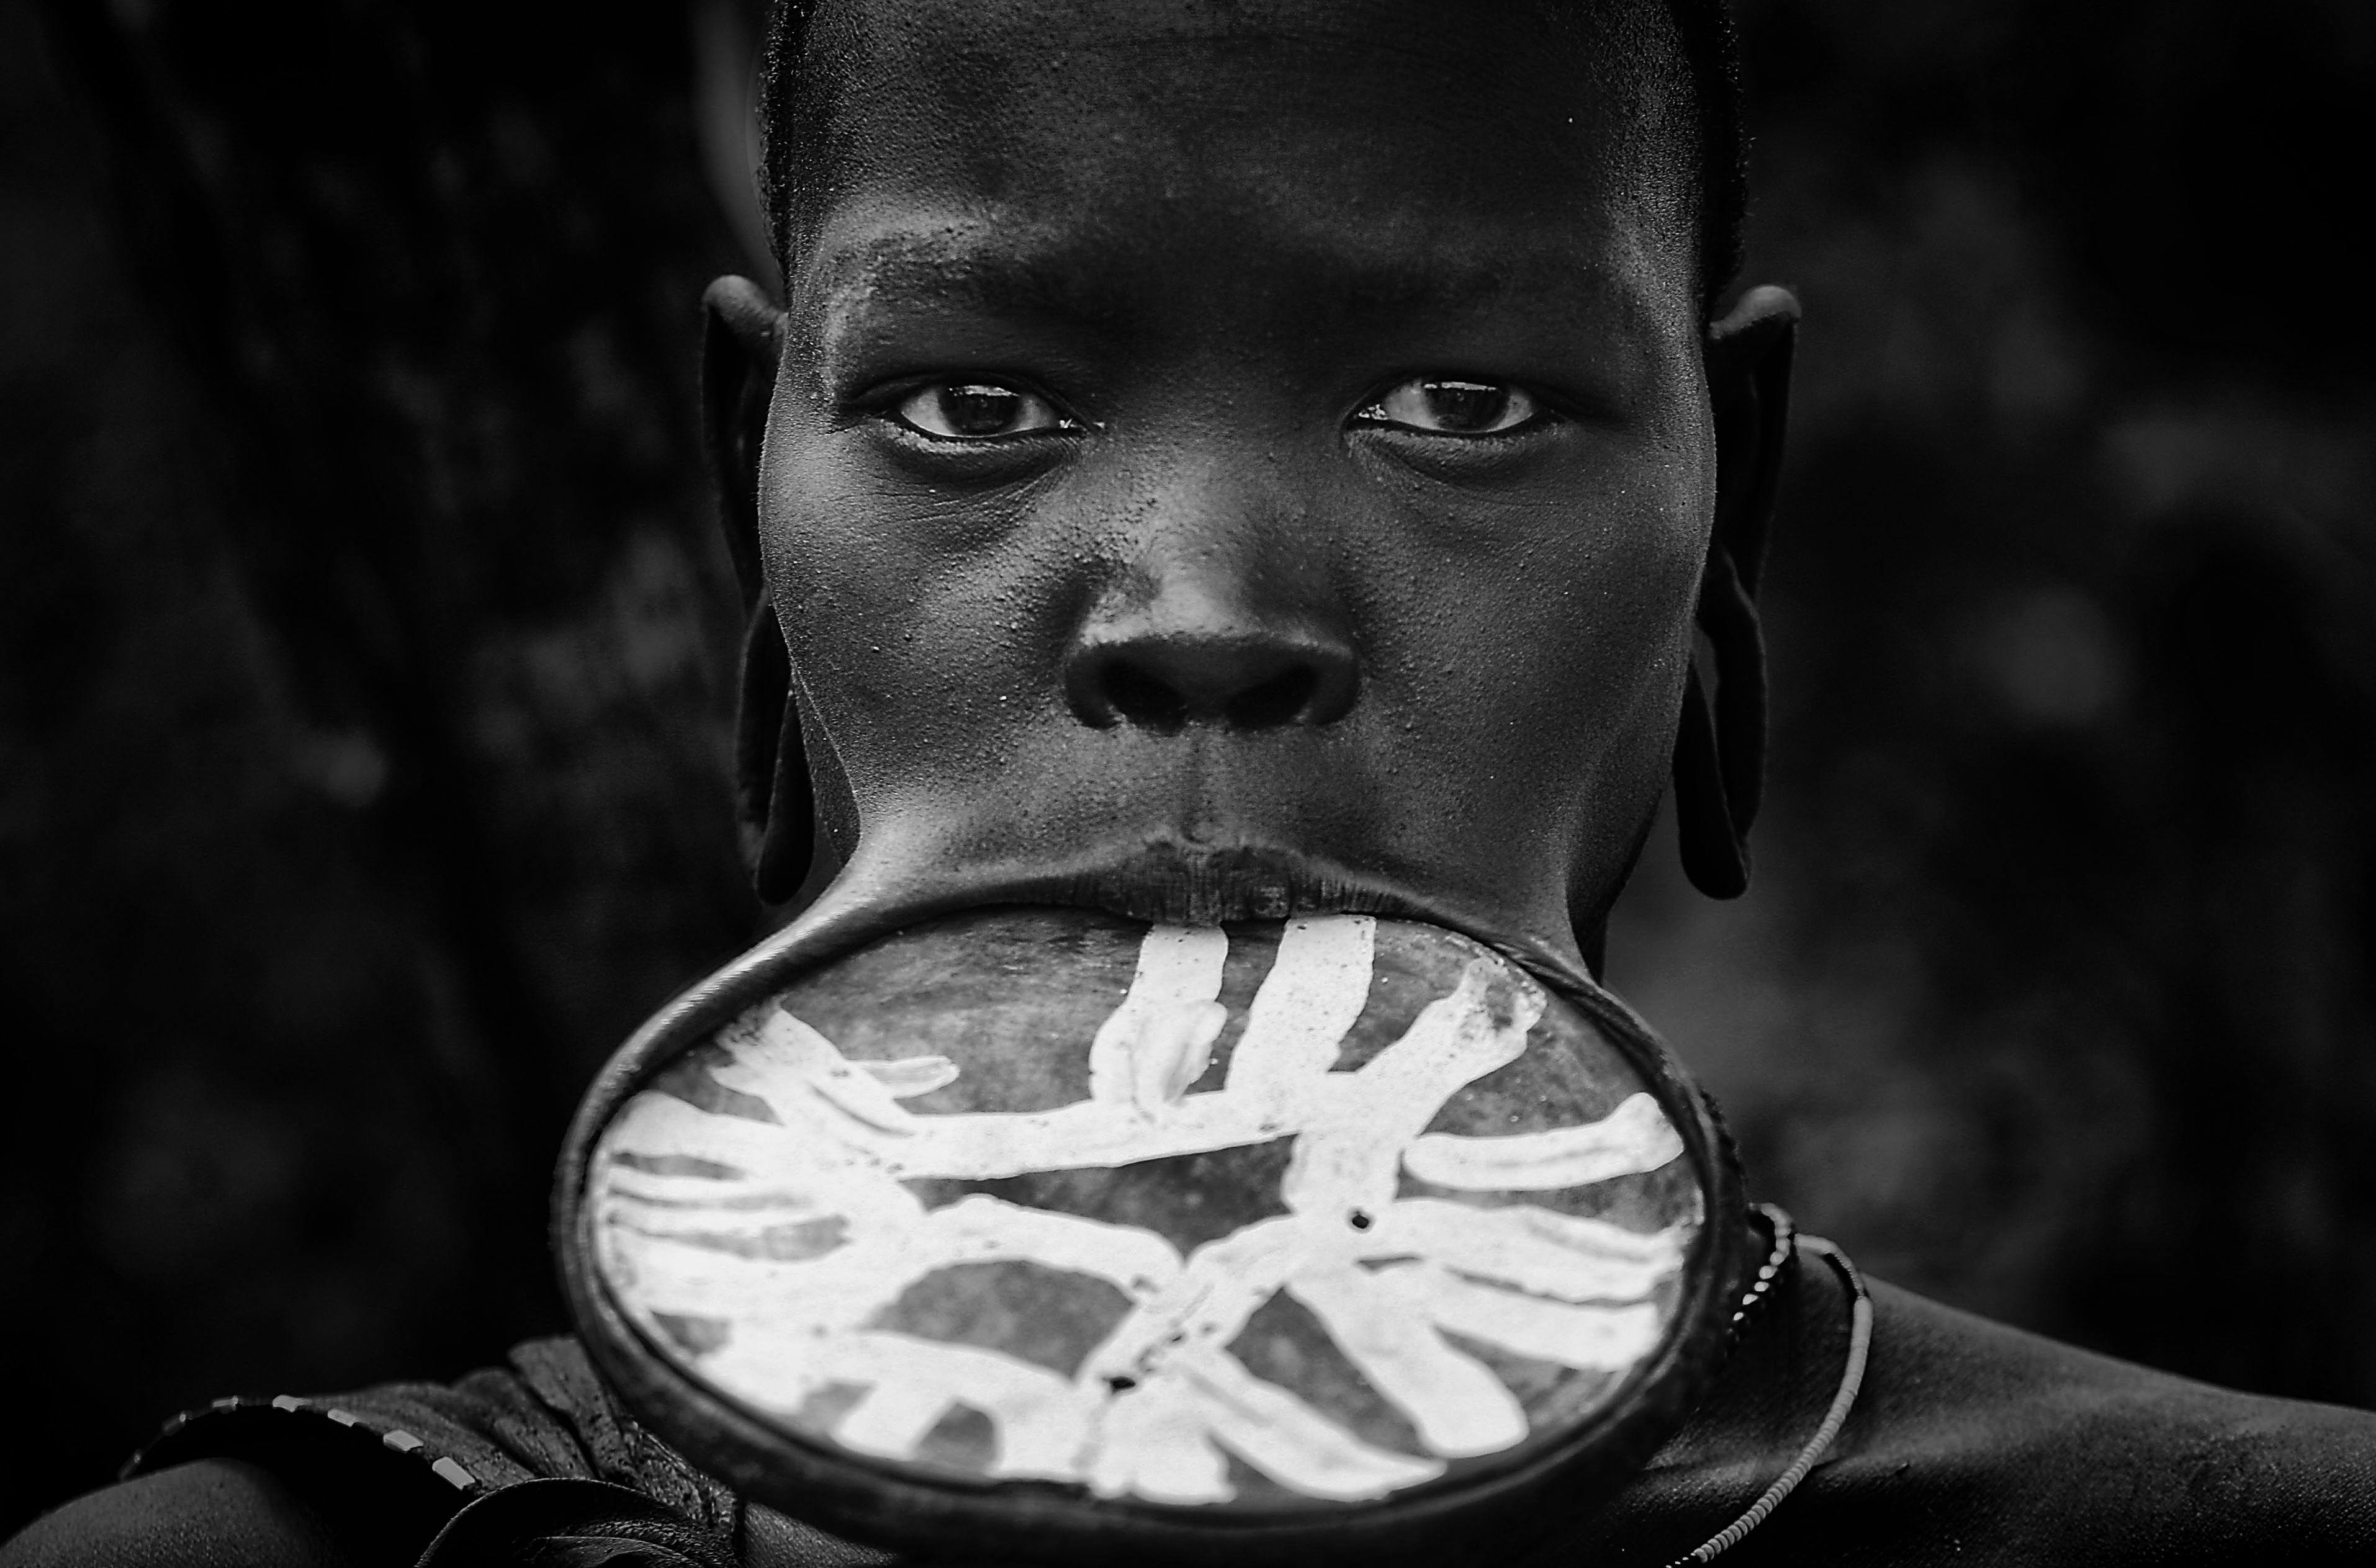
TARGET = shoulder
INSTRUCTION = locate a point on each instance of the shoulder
(2035, 1444)
(376, 1473)
(199, 1515)
(1973, 1442)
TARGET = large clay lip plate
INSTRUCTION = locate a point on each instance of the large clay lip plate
(1481, 1514)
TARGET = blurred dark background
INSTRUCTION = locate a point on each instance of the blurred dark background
(364, 660)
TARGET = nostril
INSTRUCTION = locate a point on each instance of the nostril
(1134, 695)
(1166, 683)
(1277, 700)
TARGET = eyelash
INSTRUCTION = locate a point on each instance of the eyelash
(1534, 409)
(895, 403)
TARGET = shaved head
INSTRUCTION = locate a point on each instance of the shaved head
(1656, 78)
(1225, 458)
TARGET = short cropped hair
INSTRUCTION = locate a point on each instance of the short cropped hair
(1677, 60)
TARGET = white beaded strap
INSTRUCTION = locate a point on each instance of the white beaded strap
(1843, 1400)
(392, 1438)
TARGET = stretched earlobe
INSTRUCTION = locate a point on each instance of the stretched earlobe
(741, 342)
(775, 808)
(741, 335)
(1719, 760)
(1714, 843)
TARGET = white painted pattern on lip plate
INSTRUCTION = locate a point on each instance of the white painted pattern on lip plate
(690, 1207)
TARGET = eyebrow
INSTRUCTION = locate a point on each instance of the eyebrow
(1075, 285)
(991, 280)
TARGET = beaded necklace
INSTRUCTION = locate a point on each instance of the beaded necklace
(1786, 1247)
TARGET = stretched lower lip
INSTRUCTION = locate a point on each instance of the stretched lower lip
(1198, 885)
(1162, 880)
(897, 878)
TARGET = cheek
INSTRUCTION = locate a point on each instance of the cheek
(911, 631)
(1563, 644)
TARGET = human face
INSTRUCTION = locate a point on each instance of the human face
(1236, 458)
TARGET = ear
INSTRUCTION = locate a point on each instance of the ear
(1720, 747)
(739, 343)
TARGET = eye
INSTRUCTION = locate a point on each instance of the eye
(977, 410)
(1446, 405)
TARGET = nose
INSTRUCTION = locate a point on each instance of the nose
(1162, 673)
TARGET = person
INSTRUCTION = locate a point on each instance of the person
(1257, 456)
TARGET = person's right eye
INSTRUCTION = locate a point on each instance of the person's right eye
(977, 411)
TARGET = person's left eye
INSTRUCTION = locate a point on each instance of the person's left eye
(1451, 405)
(977, 410)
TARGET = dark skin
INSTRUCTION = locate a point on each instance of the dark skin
(1239, 467)
(1258, 457)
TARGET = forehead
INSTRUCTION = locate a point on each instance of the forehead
(1404, 146)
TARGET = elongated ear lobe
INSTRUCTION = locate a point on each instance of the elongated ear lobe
(1720, 745)
(739, 343)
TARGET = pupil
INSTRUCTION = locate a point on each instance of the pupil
(1465, 405)
(979, 411)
